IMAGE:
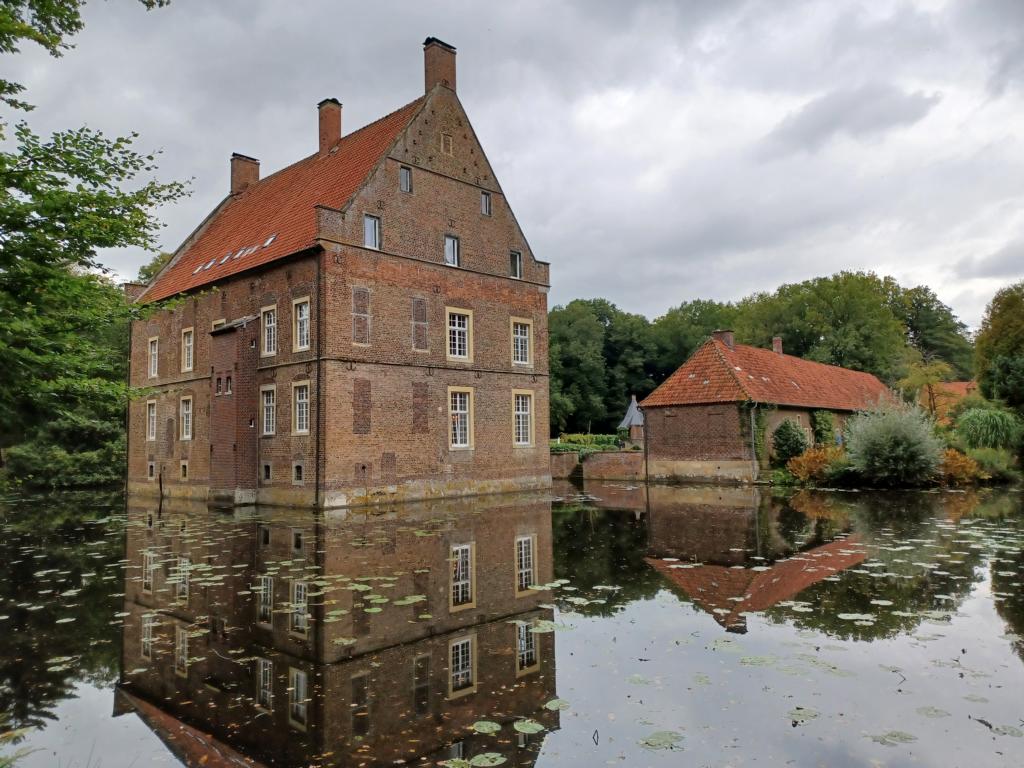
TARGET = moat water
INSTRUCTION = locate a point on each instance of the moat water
(606, 625)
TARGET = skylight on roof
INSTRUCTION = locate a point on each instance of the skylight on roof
(194, 271)
(226, 258)
(210, 263)
(270, 240)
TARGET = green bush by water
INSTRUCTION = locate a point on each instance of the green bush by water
(788, 441)
(894, 446)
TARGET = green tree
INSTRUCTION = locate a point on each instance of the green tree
(788, 440)
(923, 380)
(934, 331)
(999, 347)
(845, 319)
(679, 332)
(150, 269)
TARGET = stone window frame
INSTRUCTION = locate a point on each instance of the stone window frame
(151, 423)
(532, 539)
(188, 362)
(183, 469)
(469, 445)
(295, 407)
(468, 357)
(454, 607)
(263, 412)
(298, 473)
(265, 586)
(294, 704)
(520, 635)
(512, 323)
(153, 361)
(532, 415)
(151, 471)
(447, 142)
(265, 350)
(296, 347)
(296, 627)
(183, 435)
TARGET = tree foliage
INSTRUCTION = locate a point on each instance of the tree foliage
(999, 350)
(788, 441)
(923, 380)
(150, 269)
(893, 446)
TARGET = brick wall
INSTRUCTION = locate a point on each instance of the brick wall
(696, 432)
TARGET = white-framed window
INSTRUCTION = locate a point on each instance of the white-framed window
(460, 334)
(265, 683)
(462, 575)
(148, 623)
(154, 357)
(268, 327)
(360, 315)
(405, 178)
(460, 413)
(526, 648)
(180, 650)
(188, 344)
(451, 251)
(300, 607)
(300, 319)
(151, 420)
(268, 403)
(300, 408)
(461, 666)
(522, 415)
(525, 551)
(217, 323)
(522, 341)
(485, 203)
(227, 385)
(148, 567)
(371, 232)
(265, 599)
(185, 415)
(420, 325)
(515, 264)
(182, 578)
(298, 697)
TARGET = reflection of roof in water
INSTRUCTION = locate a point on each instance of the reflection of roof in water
(713, 586)
(188, 744)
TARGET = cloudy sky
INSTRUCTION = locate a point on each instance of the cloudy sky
(653, 151)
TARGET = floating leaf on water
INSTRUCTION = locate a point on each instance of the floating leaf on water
(892, 738)
(1007, 730)
(456, 762)
(757, 661)
(639, 680)
(932, 712)
(557, 705)
(662, 740)
(881, 602)
(800, 715)
(372, 609)
(856, 617)
(486, 726)
(487, 759)
(701, 679)
(527, 726)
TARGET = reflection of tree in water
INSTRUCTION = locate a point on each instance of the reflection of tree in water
(809, 519)
(902, 532)
(1007, 568)
(603, 547)
(49, 547)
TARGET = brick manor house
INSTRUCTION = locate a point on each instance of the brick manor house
(367, 324)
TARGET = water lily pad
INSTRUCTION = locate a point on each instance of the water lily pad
(1007, 730)
(892, 738)
(932, 712)
(662, 740)
(557, 705)
(487, 759)
(528, 726)
(486, 726)
(800, 715)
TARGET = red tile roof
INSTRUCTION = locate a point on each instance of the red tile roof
(716, 373)
(276, 216)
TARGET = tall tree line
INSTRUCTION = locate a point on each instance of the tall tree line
(600, 355)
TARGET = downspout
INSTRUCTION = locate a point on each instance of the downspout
(319, 392)
(647, 468)
(753, 443)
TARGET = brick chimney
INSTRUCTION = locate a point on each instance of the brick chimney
(245, 171)
(777, 345)
(132, 291)
(726, 337)
(438, 63)
(330, 124)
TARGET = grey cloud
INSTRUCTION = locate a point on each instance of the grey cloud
(1007, 262)
(860, 112)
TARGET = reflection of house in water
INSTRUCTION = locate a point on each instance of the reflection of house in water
(370, 639)
(738, 552)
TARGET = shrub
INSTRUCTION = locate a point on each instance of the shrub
(893, 445)
(582, 439)
(996, 464)
(823, 424)
(959, 469)
(788, 440)
(812, 466)
(989, 428)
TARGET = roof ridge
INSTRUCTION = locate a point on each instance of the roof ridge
(729, 368)
(786, 355)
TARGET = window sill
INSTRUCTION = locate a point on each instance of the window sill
(460, 693)
(460, 448)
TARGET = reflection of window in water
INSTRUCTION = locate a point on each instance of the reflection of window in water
(462, 574)
(462, 664)
(421, 684)
(148, 622)
(526, 647)
(300, 609)
(457, 750)
(524, 563)
(148, 566)
(182, 578)
(265, 683)
(265, 606)
(297, 696)
(180, 650)
(360, 705)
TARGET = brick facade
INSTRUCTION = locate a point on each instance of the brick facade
(376, 367)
